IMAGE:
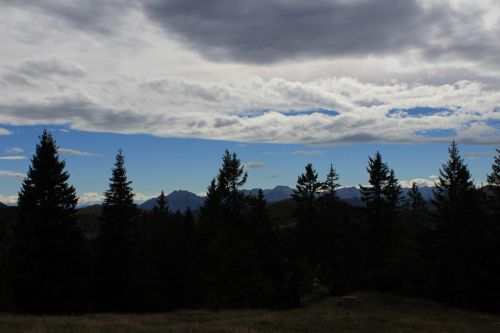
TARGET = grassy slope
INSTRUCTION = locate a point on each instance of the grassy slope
(378, 313)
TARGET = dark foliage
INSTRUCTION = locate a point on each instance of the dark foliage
(232, 254)
(48, 249)
(117, 244)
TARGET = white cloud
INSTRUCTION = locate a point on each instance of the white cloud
(10, 200)
(474, 155)
(166, 88)
(68, 151)
(12, 158)
(306, 152)
(4, 131)
(12, 174)
(92, 198)
(254, 165)
(419, 181)
(14, 150)
(141, 197)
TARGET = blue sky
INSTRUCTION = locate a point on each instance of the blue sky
(295, 81)
(155, 163)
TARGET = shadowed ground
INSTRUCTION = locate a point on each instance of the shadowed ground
(378, 313)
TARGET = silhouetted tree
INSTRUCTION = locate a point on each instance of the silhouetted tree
(329, 187)
(234, 243)
(48, 246)
(117, 243)
(308, 186)
(161, 206)
(378, 173)
(392, 191)
(416, 200)
(381, 198)
(494, 177)
(460, 232)
(418, 248)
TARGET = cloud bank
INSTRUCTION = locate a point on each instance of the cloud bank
(315, 72)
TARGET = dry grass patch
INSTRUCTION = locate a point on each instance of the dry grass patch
(378, 313)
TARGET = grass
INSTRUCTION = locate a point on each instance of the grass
(378, 313)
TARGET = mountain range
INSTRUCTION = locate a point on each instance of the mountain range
(181, 200)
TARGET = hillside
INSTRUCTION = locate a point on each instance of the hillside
(377, 313)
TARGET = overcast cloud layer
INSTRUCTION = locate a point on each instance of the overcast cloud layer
(313, 72)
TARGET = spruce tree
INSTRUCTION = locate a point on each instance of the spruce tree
(380, 222)
(222, 221)
(48, 245)
(161, 205)
(305, 236)
(232, 176)
(235, 236)
(331, 183)
(494, 177)
(308, 186)
(117, 243)
(460, 230)
(494, 226)
(378, 172)
(455, 180)
(392, 191)
(416, 200)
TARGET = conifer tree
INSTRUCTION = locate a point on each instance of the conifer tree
(416, 200)
(392, 191)
(380, 221)
(455, 180)
(308, 186)
(460, 229)
(161, 206)
(331, 183)
(117, 242)
(48, 245)
(231, 175)
(305, 236)
(378, 175)
(233, 241)
(494, 177)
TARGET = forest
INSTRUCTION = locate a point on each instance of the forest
(233, 254)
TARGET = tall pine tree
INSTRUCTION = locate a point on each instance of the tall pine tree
(381, 199)
(308, 186)
(329, 187)
(460, 232)
(48, 245)
(117, 243)
(494, 177)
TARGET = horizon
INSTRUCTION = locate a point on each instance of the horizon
(90, 156)
(175, 83)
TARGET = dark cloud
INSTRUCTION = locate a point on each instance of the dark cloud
(76, 110)
(269, 31)
(223, 122)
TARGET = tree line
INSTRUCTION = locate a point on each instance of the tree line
(232, 254)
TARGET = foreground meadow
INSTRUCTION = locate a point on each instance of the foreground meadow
(378, 313)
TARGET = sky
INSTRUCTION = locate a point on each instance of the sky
(280, 82)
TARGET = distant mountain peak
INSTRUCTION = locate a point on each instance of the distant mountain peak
(182, 199)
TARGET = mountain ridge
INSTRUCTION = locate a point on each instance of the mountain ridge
(182, 199)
